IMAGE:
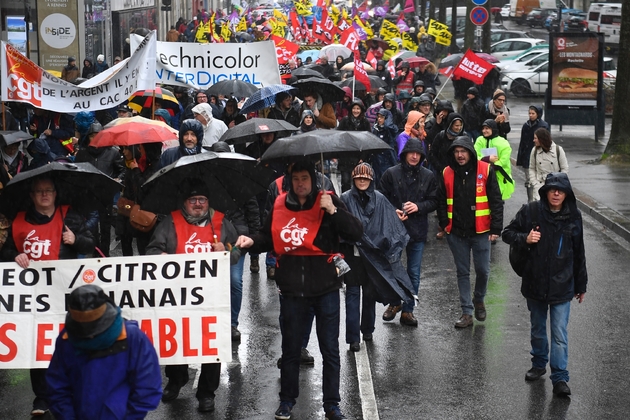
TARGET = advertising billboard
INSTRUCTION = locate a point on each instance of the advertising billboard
(575, 70)
(16, 33)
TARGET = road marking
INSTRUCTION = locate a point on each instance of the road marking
(366, 388)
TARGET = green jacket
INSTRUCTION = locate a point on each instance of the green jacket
(503, 166)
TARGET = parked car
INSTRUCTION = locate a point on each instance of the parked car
(531, 59)
(513, 47)
(505, 11)
(537, 17)
(577, 23)
(536, 48)
(497, 35)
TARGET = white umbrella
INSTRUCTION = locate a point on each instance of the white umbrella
(332, 51)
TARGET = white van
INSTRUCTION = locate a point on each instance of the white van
(606, 18)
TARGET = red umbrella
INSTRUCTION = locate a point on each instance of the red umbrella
(415, 62)
(134, 130)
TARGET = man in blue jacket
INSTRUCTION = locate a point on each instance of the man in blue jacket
(103, 367)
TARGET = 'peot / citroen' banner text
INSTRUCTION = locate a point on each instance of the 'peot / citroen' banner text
(182, 302)
(25, 81)
(202, 65)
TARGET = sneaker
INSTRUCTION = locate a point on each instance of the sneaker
(254, 266)
(39, 407)
(271, 273)
(407, 318)
(284, 411)
(561, 389)
(236, 334)
(306, 358)
(480, 311)
(464, 321)
(390, 312)
(535, 373)
(334, 413)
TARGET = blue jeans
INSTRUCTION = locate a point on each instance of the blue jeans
(270, 259)
(558, 320)
(236, 289)
(461, 248)
(306, 336)
(295, 316)
(414, 261)
(354, 325)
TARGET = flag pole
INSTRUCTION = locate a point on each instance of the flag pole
(444, 84)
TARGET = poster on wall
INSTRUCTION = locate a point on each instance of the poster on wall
(575, 71)
(16, 33)
(58, 33)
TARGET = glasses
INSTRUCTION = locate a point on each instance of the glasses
(44, 192)
(201, 97)
(200, 200)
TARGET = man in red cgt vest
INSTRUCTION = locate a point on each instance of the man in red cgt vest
(470, 210)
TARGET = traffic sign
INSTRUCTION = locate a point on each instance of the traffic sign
(480, 2)
(479, 15)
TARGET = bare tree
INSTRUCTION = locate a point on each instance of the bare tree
(619, 142)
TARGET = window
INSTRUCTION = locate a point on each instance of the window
(593, 16)
(520, 45)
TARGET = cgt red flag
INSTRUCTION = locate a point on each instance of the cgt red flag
(472, 68)
(359, 72)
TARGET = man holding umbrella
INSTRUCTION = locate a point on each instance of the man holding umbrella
(323, 112)
(307, 277)
(194, 222)
(45, 231)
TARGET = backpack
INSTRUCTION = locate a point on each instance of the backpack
(518, 255)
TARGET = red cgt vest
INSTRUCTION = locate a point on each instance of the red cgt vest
(293, 232)
(193, 239)
(39, 242)
(482, 209)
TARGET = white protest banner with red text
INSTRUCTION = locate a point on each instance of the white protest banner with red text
(472, 68)
(26, 82)
(182, 303)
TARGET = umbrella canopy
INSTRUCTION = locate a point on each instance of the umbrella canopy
(414, 62)
(134, 130)
(76, 183)
(350, 67)
(378, 41)
(143, 99)
(375, 82)
(250, 129)
(324, 144)
(306, 72)
(332, 51)
(403, 54)
(233, 87)
(231, 178)
(326, 89)
(263, 98)
(10, 137)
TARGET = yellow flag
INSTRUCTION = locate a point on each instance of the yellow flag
(334, 14)
(226, 32)
(392, 50)
(408, 42)
(367, 28)
(202, 30)
(440, 32)
(280, 17)
(242, 25)
(303, 9)
(389, 30)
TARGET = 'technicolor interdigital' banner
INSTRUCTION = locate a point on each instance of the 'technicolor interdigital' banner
(202, 65)
(182, 302)
(24, 81)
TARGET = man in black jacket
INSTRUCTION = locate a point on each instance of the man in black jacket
(555, 273)
(412, 190)
(303, 228)
(470, 210)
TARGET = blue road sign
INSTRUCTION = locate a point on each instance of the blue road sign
(480, 2)
(479, 15)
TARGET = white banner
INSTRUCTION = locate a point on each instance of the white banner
(25, 81)
(202, 65)
(182, 303)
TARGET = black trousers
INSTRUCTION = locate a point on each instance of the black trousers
(208, 380)
(38, 383)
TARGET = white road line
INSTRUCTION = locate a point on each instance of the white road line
(366, 388)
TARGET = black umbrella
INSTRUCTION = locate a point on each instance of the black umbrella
(11, 137)
(250, 129)
(76, 183)
(325, 144)
(234, 87)
(305, 72)
(326, 89)
(231, 178)
(375, 83)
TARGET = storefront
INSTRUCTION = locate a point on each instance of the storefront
(127, 16)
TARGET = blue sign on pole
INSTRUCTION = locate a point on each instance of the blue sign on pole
(480, 2)
(479, 15)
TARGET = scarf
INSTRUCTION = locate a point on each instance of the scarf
(102, 341)
(9, 159)
(199, 221)
(495, 111)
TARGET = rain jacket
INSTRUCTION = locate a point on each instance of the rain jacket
(327, 117)
(438, 154)
(386, 159)
(527, 137)
(403, 138)
(171, 155)
(123, 381)
(472, 112)
(88, 72)
(503, 166)
(310, 276)
(556, 268)
(464, 195)
(384, 238)
(543, 163)
(402, 183)
(106, 159)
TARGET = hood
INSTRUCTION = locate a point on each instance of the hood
(194, 126)
(558, 180)
(465, 142)
(220, 147)
(404, 95)
(412, 145)
(444, 105)
(164, 115)
(357, 101)
(493, 125)
(205, 110)
(381, 63)
(452, 117)
(538, 109)
(307, 113)
(412, 119)
(347, 91)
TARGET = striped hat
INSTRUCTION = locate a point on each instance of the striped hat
(363, 170)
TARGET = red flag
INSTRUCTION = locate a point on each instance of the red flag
(472, 68)
(350, 39)
(391, 67)
(363, 7)
(409, 7)
(369, 57)
(295, 26)
(359, 71)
